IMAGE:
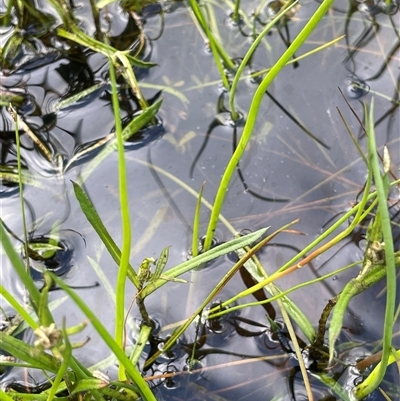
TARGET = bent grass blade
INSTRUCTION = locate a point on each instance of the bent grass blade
(252, 116)
(94, 219)
(381, 184)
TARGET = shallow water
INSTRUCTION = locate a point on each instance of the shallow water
(284, 175)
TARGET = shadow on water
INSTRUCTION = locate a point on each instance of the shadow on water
(299, 163)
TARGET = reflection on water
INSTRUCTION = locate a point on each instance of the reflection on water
(300, 162)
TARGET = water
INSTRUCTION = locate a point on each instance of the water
(192, 143)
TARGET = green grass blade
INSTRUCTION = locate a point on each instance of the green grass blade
(45, 319)
(94, 219)
(203, 23)
(139, 122)
(293, 60)
(5, 397)
(281, 293)
(67, 354)
(28, 353)
(292, 309)
(205, 257)
(20, 269)
(137, 351)
(341, 393)
(196, 223)
(362, 390)
(236, 14)
(87, 385)
(353, 288)
(248, 55)
(21, 192)
(20, 309)
(160, 264)
(130, 78)
(81, 38)
(125, 217)
(375, 374)
(335, 327)
(252, 116)
(353, 138)
(177, 333)
(109, 340)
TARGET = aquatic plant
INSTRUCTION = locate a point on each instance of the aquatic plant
(52, 350)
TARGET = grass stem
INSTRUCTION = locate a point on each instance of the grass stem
(373, 380)
(126, 226)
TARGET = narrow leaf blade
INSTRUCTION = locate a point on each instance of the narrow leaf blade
(94, 219)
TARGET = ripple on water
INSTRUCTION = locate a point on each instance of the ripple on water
(57, 254)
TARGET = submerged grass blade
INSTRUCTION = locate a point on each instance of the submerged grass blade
(10, 174)
(134, 126)
(70, 100)
(252, 116)
(21, 125)
(21, 192)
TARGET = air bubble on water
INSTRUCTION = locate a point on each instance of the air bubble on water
(356, 88)
(230, 21)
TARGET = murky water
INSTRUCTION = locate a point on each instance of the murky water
(285, 174)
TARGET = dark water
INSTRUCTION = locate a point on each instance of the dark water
(240, 359)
